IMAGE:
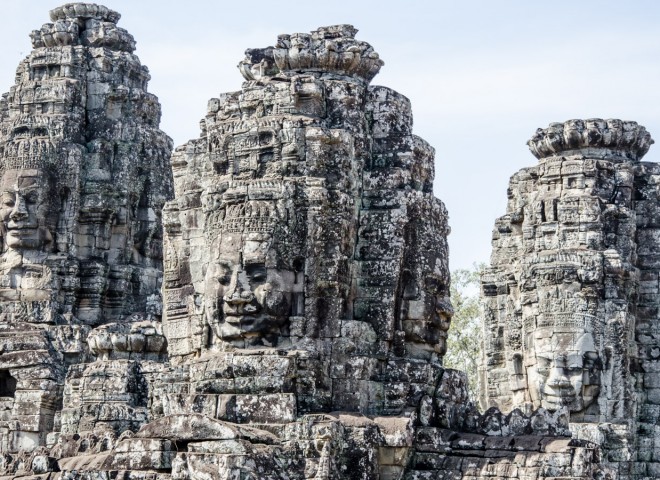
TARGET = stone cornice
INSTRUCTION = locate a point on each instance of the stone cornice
(616, 138)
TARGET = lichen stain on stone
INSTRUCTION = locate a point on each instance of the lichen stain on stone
(273, 303)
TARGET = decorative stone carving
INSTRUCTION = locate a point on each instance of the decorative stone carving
(26, 204)
(305, 277)
(248, 292)
(561, 299)
(567, 369)
(306, 271)
(283, 176)
(83, 178)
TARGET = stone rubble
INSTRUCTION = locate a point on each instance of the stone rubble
(303, 265)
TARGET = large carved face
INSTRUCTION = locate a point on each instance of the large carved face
(441, 312)
(567, 371)
(245, 297)
(427, 312)
(25, 208)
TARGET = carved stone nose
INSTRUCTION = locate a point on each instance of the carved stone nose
(238, 297)
(557, 378)
(239, 290)
(19, 212)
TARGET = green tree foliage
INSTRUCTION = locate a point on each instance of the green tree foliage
(464, 336)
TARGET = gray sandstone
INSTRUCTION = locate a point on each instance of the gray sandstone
(83, 181)
(274, 304)
(571, 297)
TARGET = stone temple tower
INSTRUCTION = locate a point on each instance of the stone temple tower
(570, 301)
(297, 226)
(304, 279)
(83, 176)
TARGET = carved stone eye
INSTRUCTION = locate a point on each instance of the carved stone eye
(592, 361)
(223, 274)
(543, 366)
(256, 273)
(432, 284)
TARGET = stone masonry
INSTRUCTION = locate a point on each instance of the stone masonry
(275, 304)
(571, 297)
(83, 177)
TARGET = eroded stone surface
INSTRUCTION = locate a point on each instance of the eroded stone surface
(296, 232)
(83, 179)
(305, 295)
(570, 296)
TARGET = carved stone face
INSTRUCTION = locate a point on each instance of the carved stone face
(25, 207)
(427, 312)
(567, 371)
(441, 314)
(243, 297)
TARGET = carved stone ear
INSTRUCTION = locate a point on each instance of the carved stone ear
(410, 288)
(47, 239)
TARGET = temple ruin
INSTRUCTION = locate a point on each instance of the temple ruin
(84, 177)
(270, 300)
(571, 296)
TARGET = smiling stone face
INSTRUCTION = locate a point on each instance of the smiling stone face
(567, 370)
(246, 297)
(25, 207)
(246, 300)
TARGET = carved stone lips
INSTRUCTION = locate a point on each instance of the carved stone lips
(560, 396)
(21, 231)
(242, 319)
(240, 310)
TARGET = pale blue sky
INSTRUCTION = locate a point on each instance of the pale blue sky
(482, 75)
